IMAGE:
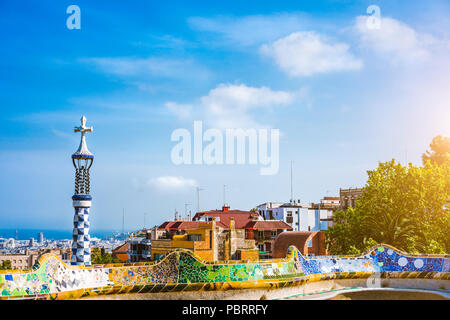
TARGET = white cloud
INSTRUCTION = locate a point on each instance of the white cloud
(181, 111)
(171, 183)
(395, 40)
(249, 30)
(308, 53)
(144, 68)
(234, 106)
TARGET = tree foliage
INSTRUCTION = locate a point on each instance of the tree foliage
(403, 206)
(100, 256)
(440, 151)
(6, 265)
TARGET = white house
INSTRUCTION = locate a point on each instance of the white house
(300, 216)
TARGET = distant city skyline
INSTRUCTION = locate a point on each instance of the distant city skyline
(342, 95)
(54, 234)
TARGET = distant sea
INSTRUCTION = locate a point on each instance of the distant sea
(26, 234)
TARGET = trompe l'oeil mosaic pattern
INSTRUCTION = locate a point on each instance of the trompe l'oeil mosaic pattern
(51, 278)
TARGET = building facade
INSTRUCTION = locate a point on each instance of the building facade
(209, 241)
(121, 252)
(139, 246)
(28, 259)
(301, 216)
(214, 235)
(348, 197)
(263, 231)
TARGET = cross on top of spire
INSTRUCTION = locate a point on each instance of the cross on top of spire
(83, 151)
(83, 129)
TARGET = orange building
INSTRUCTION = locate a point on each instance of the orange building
(236, 235)
(208, 240)
(121, 252)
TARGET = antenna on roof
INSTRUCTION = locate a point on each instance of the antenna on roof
(198, 198)
(185, 209)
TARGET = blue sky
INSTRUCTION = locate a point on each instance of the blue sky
(139, 70)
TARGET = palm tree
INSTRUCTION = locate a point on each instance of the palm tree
(395, 229)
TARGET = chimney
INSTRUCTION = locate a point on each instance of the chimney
(232, 223)
(225, 208)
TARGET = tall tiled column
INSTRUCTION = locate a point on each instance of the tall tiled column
(81, 247)
(82, 161)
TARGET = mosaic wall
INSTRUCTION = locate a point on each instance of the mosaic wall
(182, 270)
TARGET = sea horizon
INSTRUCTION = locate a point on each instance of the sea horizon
(52, 234)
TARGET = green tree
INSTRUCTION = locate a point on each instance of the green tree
(401, 206)
(348, 230)
(6, 265)
(440, 151)
(100, 256)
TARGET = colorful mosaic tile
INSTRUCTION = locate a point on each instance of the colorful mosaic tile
(183, 270)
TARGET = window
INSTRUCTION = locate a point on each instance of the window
(194, 237)
(260, 234)
(273, 234)
(289, 213)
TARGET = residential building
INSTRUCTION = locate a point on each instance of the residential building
(211, 241)
(326, 208)
(349, 196)
(301, 216)
(7, 243)
(27, 259)
(121, 252)
(263, 231)
(139, 246)
(213, 235)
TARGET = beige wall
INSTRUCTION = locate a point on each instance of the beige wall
(19, 261)
(27, 260)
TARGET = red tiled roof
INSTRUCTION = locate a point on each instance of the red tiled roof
(123, 248)
(271, 224)
(180, 225)
(241, 218)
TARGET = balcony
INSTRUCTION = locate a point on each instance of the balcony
(146, 254)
